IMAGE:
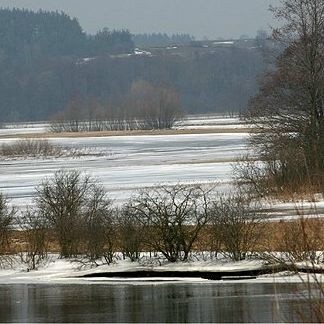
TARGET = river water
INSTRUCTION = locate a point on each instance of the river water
(179, 302)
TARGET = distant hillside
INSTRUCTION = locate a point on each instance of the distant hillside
(161, 39)
(47, 61)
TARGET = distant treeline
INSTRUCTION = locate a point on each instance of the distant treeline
(47, 61)
(161, 39)
(27, 36)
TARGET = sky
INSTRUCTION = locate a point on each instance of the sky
(200, 18)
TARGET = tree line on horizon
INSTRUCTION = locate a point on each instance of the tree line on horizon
(47, 60)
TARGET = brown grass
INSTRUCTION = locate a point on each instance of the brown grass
(274, 238)
(30, 147)
(132, 133)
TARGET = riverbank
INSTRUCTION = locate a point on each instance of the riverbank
(64, 271)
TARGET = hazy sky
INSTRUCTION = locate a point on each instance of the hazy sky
(210, 18)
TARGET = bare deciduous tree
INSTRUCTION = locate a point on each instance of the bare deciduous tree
(172, 218)
(131, 233)
(77, 208)
(99, 226)
(6, 221)
(35, 231)
(156, 106)
(65, 200)
(289, 110)
(236, 225)
(7, 215)
(61, 199)
(71, 119)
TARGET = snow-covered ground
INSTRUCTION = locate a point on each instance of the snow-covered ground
(189, 122)
(211, 122)
(126, 163)
(64, 271)
(294, 210)
(24, 129)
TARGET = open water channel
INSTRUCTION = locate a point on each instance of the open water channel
(154, 302)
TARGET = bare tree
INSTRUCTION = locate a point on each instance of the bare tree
(62, 200)
(71, 119)
(172, 218)
(77, 208)
(156, 106)
(289, 110)
(7, 215)
(131, 233)
(6, 221)
(35, 231)
(236, 225)
(99, 226)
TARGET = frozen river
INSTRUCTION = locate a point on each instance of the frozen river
(126, 163)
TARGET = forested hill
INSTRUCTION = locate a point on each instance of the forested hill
(27, 35)
(48, 61)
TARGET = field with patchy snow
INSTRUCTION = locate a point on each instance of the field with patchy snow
(126, 163)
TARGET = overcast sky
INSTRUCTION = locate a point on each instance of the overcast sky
(210, 18)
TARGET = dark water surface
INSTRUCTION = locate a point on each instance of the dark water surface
(180, 302)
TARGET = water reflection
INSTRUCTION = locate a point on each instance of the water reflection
(211, 302)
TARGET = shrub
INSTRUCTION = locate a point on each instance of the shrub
(77, 209)
(7, 215)
(30, 148)
(172, 218)
(236, 226)
(34, 229)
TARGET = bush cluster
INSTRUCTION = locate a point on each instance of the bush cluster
(30, 148)
(73, 215)
(73, 212)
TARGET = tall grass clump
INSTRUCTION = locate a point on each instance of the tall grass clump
(30, 148)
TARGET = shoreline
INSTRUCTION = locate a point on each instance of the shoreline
(61, 271)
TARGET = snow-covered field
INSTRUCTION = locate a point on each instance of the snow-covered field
(23, 129)
(126, 163)
(212, 121)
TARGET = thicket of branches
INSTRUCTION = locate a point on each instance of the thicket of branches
(236, 226)
(74, 216)
(30, 147)
(7, 218)
(171, 218)
(145, 107)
